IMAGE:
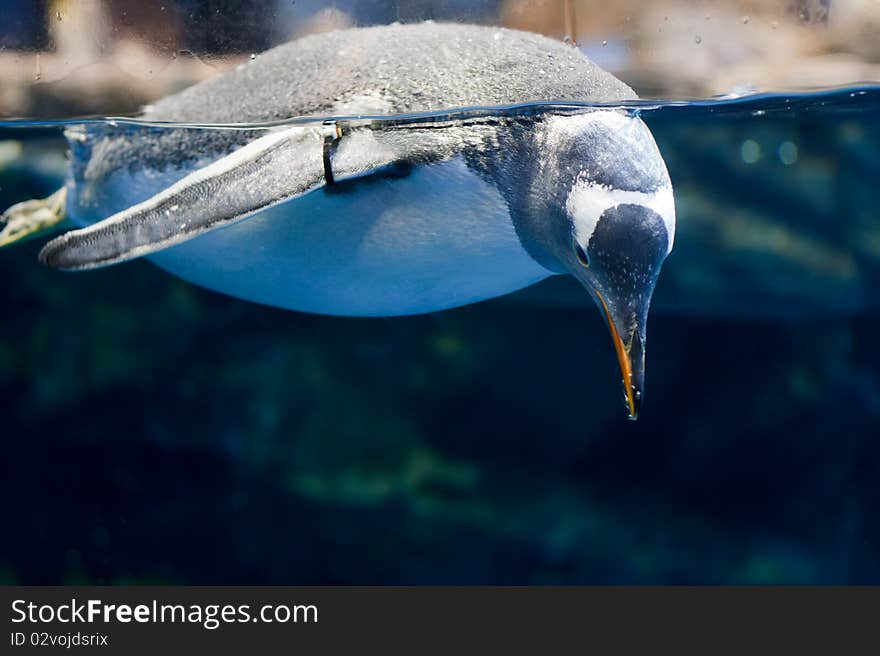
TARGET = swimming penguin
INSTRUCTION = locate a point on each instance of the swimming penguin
(384, 217)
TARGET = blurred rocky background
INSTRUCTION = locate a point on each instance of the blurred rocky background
(156, 432)
(62, 57)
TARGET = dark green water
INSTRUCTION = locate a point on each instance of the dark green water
(157, 432)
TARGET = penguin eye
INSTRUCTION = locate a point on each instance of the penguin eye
(582, 256)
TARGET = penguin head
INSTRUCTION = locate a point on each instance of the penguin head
(614, 226)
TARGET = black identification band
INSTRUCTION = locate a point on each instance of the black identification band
(332, 134)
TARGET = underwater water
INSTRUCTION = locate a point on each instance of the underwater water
(154, 431)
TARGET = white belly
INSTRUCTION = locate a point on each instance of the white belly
(437, 238)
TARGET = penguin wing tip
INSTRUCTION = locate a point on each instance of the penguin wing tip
(56, 254)
(48, 255)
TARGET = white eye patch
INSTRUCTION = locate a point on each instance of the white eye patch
(587, 201)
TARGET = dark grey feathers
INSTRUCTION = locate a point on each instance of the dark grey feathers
(412, 68)
(378, 70)
(374, 70)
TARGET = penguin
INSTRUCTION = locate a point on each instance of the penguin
(453, 172)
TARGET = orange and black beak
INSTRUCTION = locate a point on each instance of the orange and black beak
(619, 268)
(628, 335)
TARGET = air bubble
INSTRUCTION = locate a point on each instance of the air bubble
(750, 151)
(698, 39)
(788, 153)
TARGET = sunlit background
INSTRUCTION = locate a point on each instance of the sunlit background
(63, 57)
(156, 432)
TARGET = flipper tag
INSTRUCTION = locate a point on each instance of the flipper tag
(332, 134)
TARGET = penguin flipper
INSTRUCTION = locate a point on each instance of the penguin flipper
(272, 169)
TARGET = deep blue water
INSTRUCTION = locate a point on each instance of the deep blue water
(154, 431)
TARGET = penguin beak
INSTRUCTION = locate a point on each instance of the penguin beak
(629, 344)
